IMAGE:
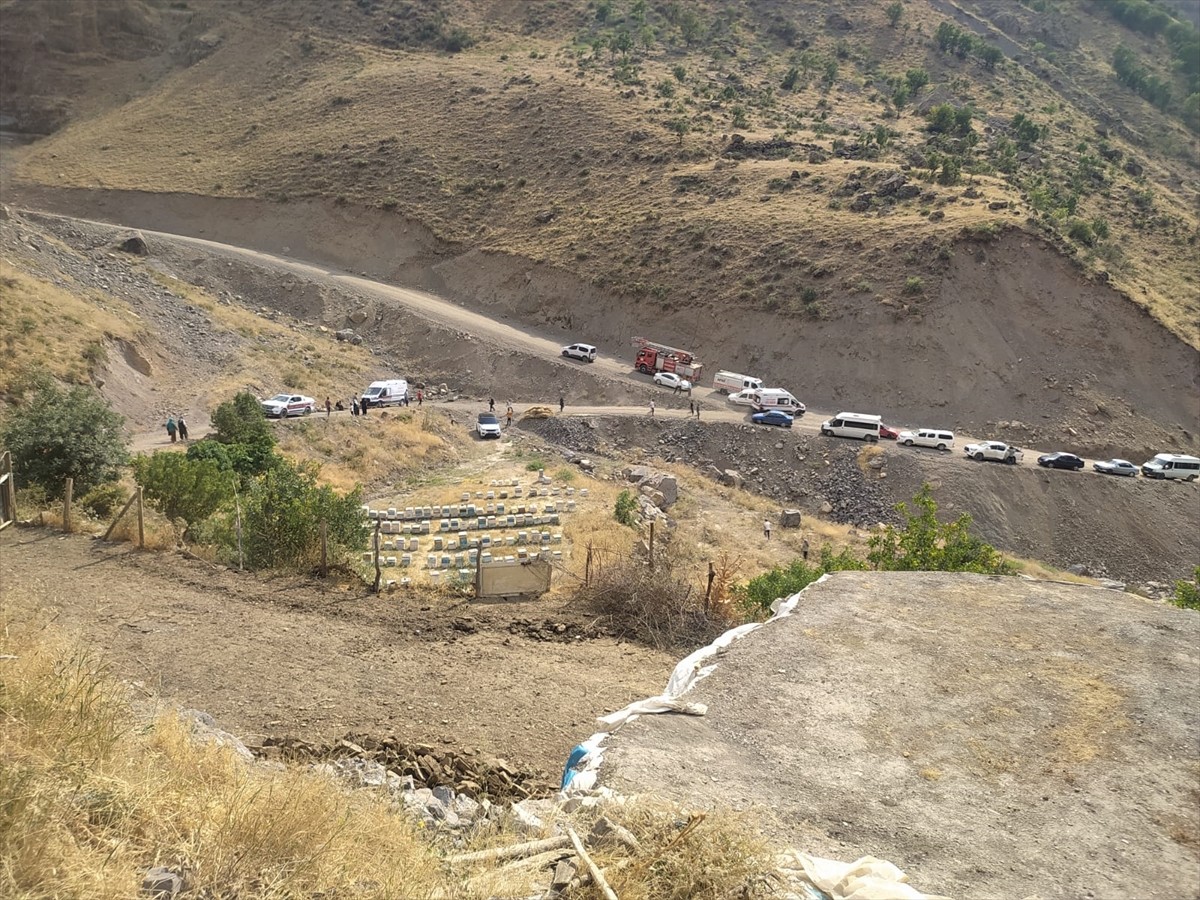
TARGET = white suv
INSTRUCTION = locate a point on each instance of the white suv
(927, 437)
(997, 451)
(487, 425)
(586, 352)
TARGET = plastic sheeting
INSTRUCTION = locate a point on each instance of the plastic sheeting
(867, 878)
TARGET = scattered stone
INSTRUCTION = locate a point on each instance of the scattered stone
(161, 883)
(892, 184)
(358, 317)
(998, 204)
(135, 244)
(732, 478)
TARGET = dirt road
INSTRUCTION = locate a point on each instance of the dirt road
(290, 656)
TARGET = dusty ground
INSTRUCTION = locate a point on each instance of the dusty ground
(992, 737)
(285, 656)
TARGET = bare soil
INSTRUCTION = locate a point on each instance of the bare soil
(292, 656)
(991, 737)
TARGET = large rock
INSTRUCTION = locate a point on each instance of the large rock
(790, 519)
(891, 185)
(358, 317)
(135, 244)
(161, 883)
(732, 478)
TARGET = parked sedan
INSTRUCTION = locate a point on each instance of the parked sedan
(1060, 461)
(671, 380)
(772, 417)
(1116, 467)
(283, 405)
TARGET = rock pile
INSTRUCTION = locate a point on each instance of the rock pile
(478, 777)
(659, 488)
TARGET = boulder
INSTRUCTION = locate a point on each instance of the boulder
(862, 202)
(892, 184)
(1133, 168)
(135, 244)
(732, 478)
(790, 519)
(908, 191)
(998, 204)
(826, 508)
(358, 317)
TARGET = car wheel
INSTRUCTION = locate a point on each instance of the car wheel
(825, 432)
(283, 413)
(308, 410)
(978, 457)
(644, 369)
(1191, 478)
(941, 447)
(908, 443)
(565, 353)
(1010, 460)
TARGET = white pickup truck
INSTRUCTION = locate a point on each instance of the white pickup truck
(996, 451)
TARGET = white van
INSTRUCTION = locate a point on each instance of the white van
(927, 437)
(386, 393)
(1171, 465)
(852, 425)
(777, 398)
(732, 382)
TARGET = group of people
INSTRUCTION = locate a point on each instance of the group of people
(176, 428)
(360, 405)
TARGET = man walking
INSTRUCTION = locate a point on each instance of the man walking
(491, 405)
(651, 412)
(171, 428)
(508, 417)
(767, 528)
(328, 407)
(691, 409)
(182, 426)
(804, 549)
(420, 399)
(560, 403)
(697, 410)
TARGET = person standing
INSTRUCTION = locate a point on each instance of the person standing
(508, 416)
(651, 411)
(171, 428)
(691, 408)
(678, 387)
(328, 407)
(767, 529)
(697, 410)
(491, 405)
(420, 398)
(561, 404)
(804, 549)
(363, 404)
(181, 425)
(353, 406)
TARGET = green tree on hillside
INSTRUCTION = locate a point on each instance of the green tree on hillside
(925, 544)
(894, 12)
(56, 433)
(249, 442)
(183, 488)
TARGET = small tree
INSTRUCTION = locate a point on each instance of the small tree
(1187, 593)
(183, 488)
(790, 79)
(56, 433)
(925, 544)
(916, 79)
(625, 509)
(691, 27)
(241, 425)
(894, 12)
(990, 54)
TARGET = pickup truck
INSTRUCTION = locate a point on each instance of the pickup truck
(996, 451)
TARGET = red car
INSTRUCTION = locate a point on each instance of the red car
(888, 433)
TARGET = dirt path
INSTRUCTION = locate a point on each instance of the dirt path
(288, 656)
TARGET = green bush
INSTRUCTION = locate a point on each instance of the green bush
(282, 513)
(56, 433)
(913, 285)
(925, 544)
(625, 509)
(104, 500)
(1081, 231)
(183, 488)
(240, 425)
(759, 593)
(1187, 593)
(894, 12)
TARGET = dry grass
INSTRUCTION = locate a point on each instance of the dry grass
(44, 328)
(93, 793)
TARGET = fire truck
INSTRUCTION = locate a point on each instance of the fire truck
(653, 357)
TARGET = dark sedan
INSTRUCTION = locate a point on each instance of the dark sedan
(1060, 461)
(772, 417)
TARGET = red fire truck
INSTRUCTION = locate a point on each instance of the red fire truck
(653, 357)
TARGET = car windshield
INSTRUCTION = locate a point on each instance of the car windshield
(280, 398)
(375, 391)
(488, 419)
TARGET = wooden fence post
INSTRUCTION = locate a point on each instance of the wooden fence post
(324, 548)
(237, 503)
(124, 509)
(8, 491)
(651, 545)
(141, 520)
(67, 503)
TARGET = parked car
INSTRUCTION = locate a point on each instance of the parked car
(671, 380)
(996, 451)
(1116, 467)
(283, 405)
(888, 433)
(1060, 460)
(772, 417)
(586, 352)
(936, 438)
(488, 426)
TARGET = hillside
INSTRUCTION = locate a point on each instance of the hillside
(655, 154)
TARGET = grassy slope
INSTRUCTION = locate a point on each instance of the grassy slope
(482, 144)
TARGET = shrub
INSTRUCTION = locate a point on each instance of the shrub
(1081, 231)
(1187, 593)
(759, 593)
(625, 509)
(104, 500)
(894, 12)
(914, 284)
(56, 433)
(925, 544)
(240, 425)
(183, 488)
(790, 79)
(916, 79)
(282, 514)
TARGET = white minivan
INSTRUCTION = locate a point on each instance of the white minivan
(1171, 465)
(927, 437)
(860, 426)
(732, 382)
